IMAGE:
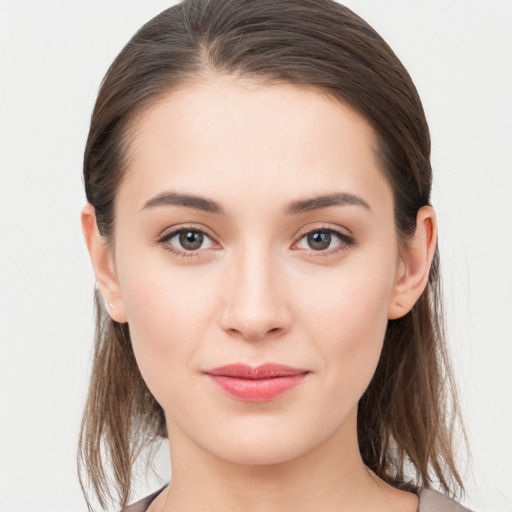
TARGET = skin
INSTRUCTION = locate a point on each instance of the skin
(257, 291)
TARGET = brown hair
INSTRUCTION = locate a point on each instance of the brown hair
(406, 416)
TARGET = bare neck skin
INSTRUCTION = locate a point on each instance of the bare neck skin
(331, 477)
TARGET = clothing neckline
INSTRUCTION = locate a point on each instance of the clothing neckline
(146, 502)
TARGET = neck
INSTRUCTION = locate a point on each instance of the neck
(331, 476)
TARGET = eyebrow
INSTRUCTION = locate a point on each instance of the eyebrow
(291, 208)
(324, 201)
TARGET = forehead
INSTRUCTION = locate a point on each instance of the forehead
(223, 135)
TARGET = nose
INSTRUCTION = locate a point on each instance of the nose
(255, 302)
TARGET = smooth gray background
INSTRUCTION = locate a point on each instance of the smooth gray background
(53, 55)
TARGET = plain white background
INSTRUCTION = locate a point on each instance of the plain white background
(53, 55)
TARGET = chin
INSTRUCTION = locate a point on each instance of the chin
(261, 447)
(258, 455)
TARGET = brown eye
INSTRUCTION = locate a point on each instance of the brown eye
(191, 240)
(186, 241)
(326, 241)
(319, 240)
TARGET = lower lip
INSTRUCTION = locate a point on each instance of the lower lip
(259, 390)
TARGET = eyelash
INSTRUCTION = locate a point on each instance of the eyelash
(346, 241)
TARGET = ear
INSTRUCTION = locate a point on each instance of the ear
(414, 267)
(102, 259)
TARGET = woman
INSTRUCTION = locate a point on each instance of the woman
(259, 223)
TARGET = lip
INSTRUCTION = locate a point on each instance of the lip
(258, 384)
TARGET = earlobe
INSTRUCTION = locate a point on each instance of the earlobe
(102, 260)
(414, 269)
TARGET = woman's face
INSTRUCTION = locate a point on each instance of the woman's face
(254, 226)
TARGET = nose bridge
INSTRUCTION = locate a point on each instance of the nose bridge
(254, 302)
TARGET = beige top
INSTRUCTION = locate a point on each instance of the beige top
(430, 501)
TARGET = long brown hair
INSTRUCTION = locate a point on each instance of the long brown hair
(406, 416)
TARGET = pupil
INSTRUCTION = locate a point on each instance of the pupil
(319, 240)
(191, 240)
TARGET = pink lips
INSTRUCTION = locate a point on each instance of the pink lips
(256, 384)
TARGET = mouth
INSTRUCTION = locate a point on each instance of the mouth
(258, 384)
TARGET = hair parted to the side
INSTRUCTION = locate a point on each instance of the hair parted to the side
(407, 415)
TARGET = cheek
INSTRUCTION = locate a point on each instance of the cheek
(168, 314)
(347, 318)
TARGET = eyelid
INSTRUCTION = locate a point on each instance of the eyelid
(343, 232)
(173, 230)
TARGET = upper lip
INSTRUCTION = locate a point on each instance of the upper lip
(264, 371)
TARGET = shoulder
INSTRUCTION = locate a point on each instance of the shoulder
(142, 505)
(433, 501)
